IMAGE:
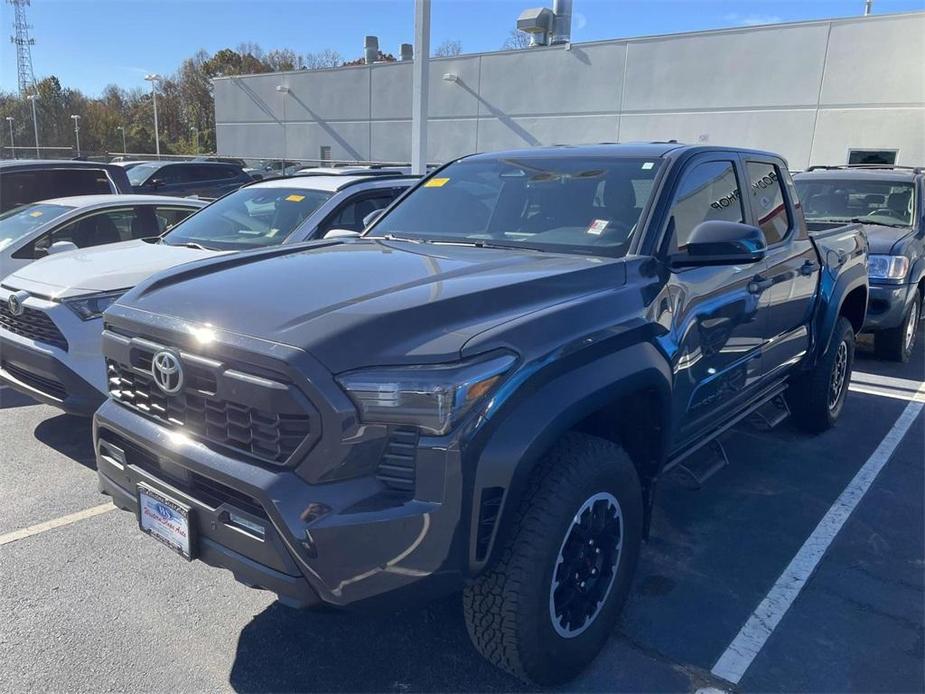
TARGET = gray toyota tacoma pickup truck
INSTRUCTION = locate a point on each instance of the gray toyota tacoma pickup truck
(482, 393)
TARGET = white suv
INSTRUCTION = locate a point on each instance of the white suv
(51, 310)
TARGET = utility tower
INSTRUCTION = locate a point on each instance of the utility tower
(24, 44)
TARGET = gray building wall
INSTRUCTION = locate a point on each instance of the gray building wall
(810, 90)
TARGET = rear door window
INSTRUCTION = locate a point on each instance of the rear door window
(767, 200)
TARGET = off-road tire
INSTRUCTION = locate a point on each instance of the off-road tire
(895, 344)
(809, 396)
(507, 608)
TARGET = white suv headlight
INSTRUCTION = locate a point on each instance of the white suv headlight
(888, 267)
(92, 306)
(431, 397)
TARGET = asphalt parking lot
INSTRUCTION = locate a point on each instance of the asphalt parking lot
(90, 604)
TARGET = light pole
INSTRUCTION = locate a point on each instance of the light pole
(154, 78)
(76, 120)
(195, 131)
(122, 129)
(35, 123)
(284, 90)
(9, 119)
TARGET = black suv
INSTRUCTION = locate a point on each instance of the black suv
(483, 391)
(890, 202)
(22, 182)
(183, 178)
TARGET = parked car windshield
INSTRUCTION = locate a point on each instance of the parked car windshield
(588, 205)
(248, 218)
(16, 223)
(841, 200)
(137, 175)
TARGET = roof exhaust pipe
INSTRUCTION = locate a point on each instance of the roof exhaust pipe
(371, 49)
(562, 22)
(406, 52)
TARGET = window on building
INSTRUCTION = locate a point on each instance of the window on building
(872, 156)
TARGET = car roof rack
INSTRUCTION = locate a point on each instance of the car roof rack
(868, 167)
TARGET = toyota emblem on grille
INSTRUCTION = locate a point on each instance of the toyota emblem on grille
(15, 303)
(167, 372)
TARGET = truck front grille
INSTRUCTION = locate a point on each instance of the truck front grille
(268, 436)
(33, 324)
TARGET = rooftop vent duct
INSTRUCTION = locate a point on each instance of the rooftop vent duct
(371, 49)
(562, 21)
(537, 21)
(407, 51)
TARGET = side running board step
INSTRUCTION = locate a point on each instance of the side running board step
(770, 414)
(701, 466)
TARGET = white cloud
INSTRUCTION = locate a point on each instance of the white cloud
(750, 20)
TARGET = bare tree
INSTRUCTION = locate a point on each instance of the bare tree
(322, 59)
(516, 39)
(448, 48)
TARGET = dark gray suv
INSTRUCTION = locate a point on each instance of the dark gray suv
(888, 201)
(183, 178)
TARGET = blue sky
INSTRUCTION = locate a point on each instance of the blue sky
(91, 43)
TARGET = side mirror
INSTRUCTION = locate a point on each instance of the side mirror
(716, 242)
(62, 247)
(341, 234)
(372, 217)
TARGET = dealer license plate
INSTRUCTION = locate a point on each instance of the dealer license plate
(165, 520)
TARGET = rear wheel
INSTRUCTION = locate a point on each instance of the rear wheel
(818, 397)
(551, 600)
(896, 344)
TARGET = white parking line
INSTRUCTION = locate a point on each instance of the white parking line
(751, 638)
(886, 386)
(54, 523)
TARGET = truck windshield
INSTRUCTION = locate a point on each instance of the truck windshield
(841, 200)
(588, 205)
(248, 218)
(16, 223)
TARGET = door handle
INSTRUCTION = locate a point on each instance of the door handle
(809, 267)
(759, 284)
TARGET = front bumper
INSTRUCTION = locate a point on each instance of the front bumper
(887, 305)
(339, 543)
(72, 380)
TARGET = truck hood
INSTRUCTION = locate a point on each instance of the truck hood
(100, 269)
(372, 301)
(883, 239)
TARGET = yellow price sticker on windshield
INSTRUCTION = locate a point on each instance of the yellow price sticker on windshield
(37, 213)
(295, 198)
(436, 183)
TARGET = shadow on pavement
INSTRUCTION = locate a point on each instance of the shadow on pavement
(10, 398)
(69, 435)
(423, 649)
(867, 361)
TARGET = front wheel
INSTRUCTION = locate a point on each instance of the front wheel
(896, 344)
(818, 397)
(549, 603)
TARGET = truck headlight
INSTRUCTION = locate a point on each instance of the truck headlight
(92, 305)
(888, 267)
(431, 397)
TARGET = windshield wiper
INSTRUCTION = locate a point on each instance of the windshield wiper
(861, 220)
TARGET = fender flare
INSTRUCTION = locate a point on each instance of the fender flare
(832, 297)
(542, 413)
